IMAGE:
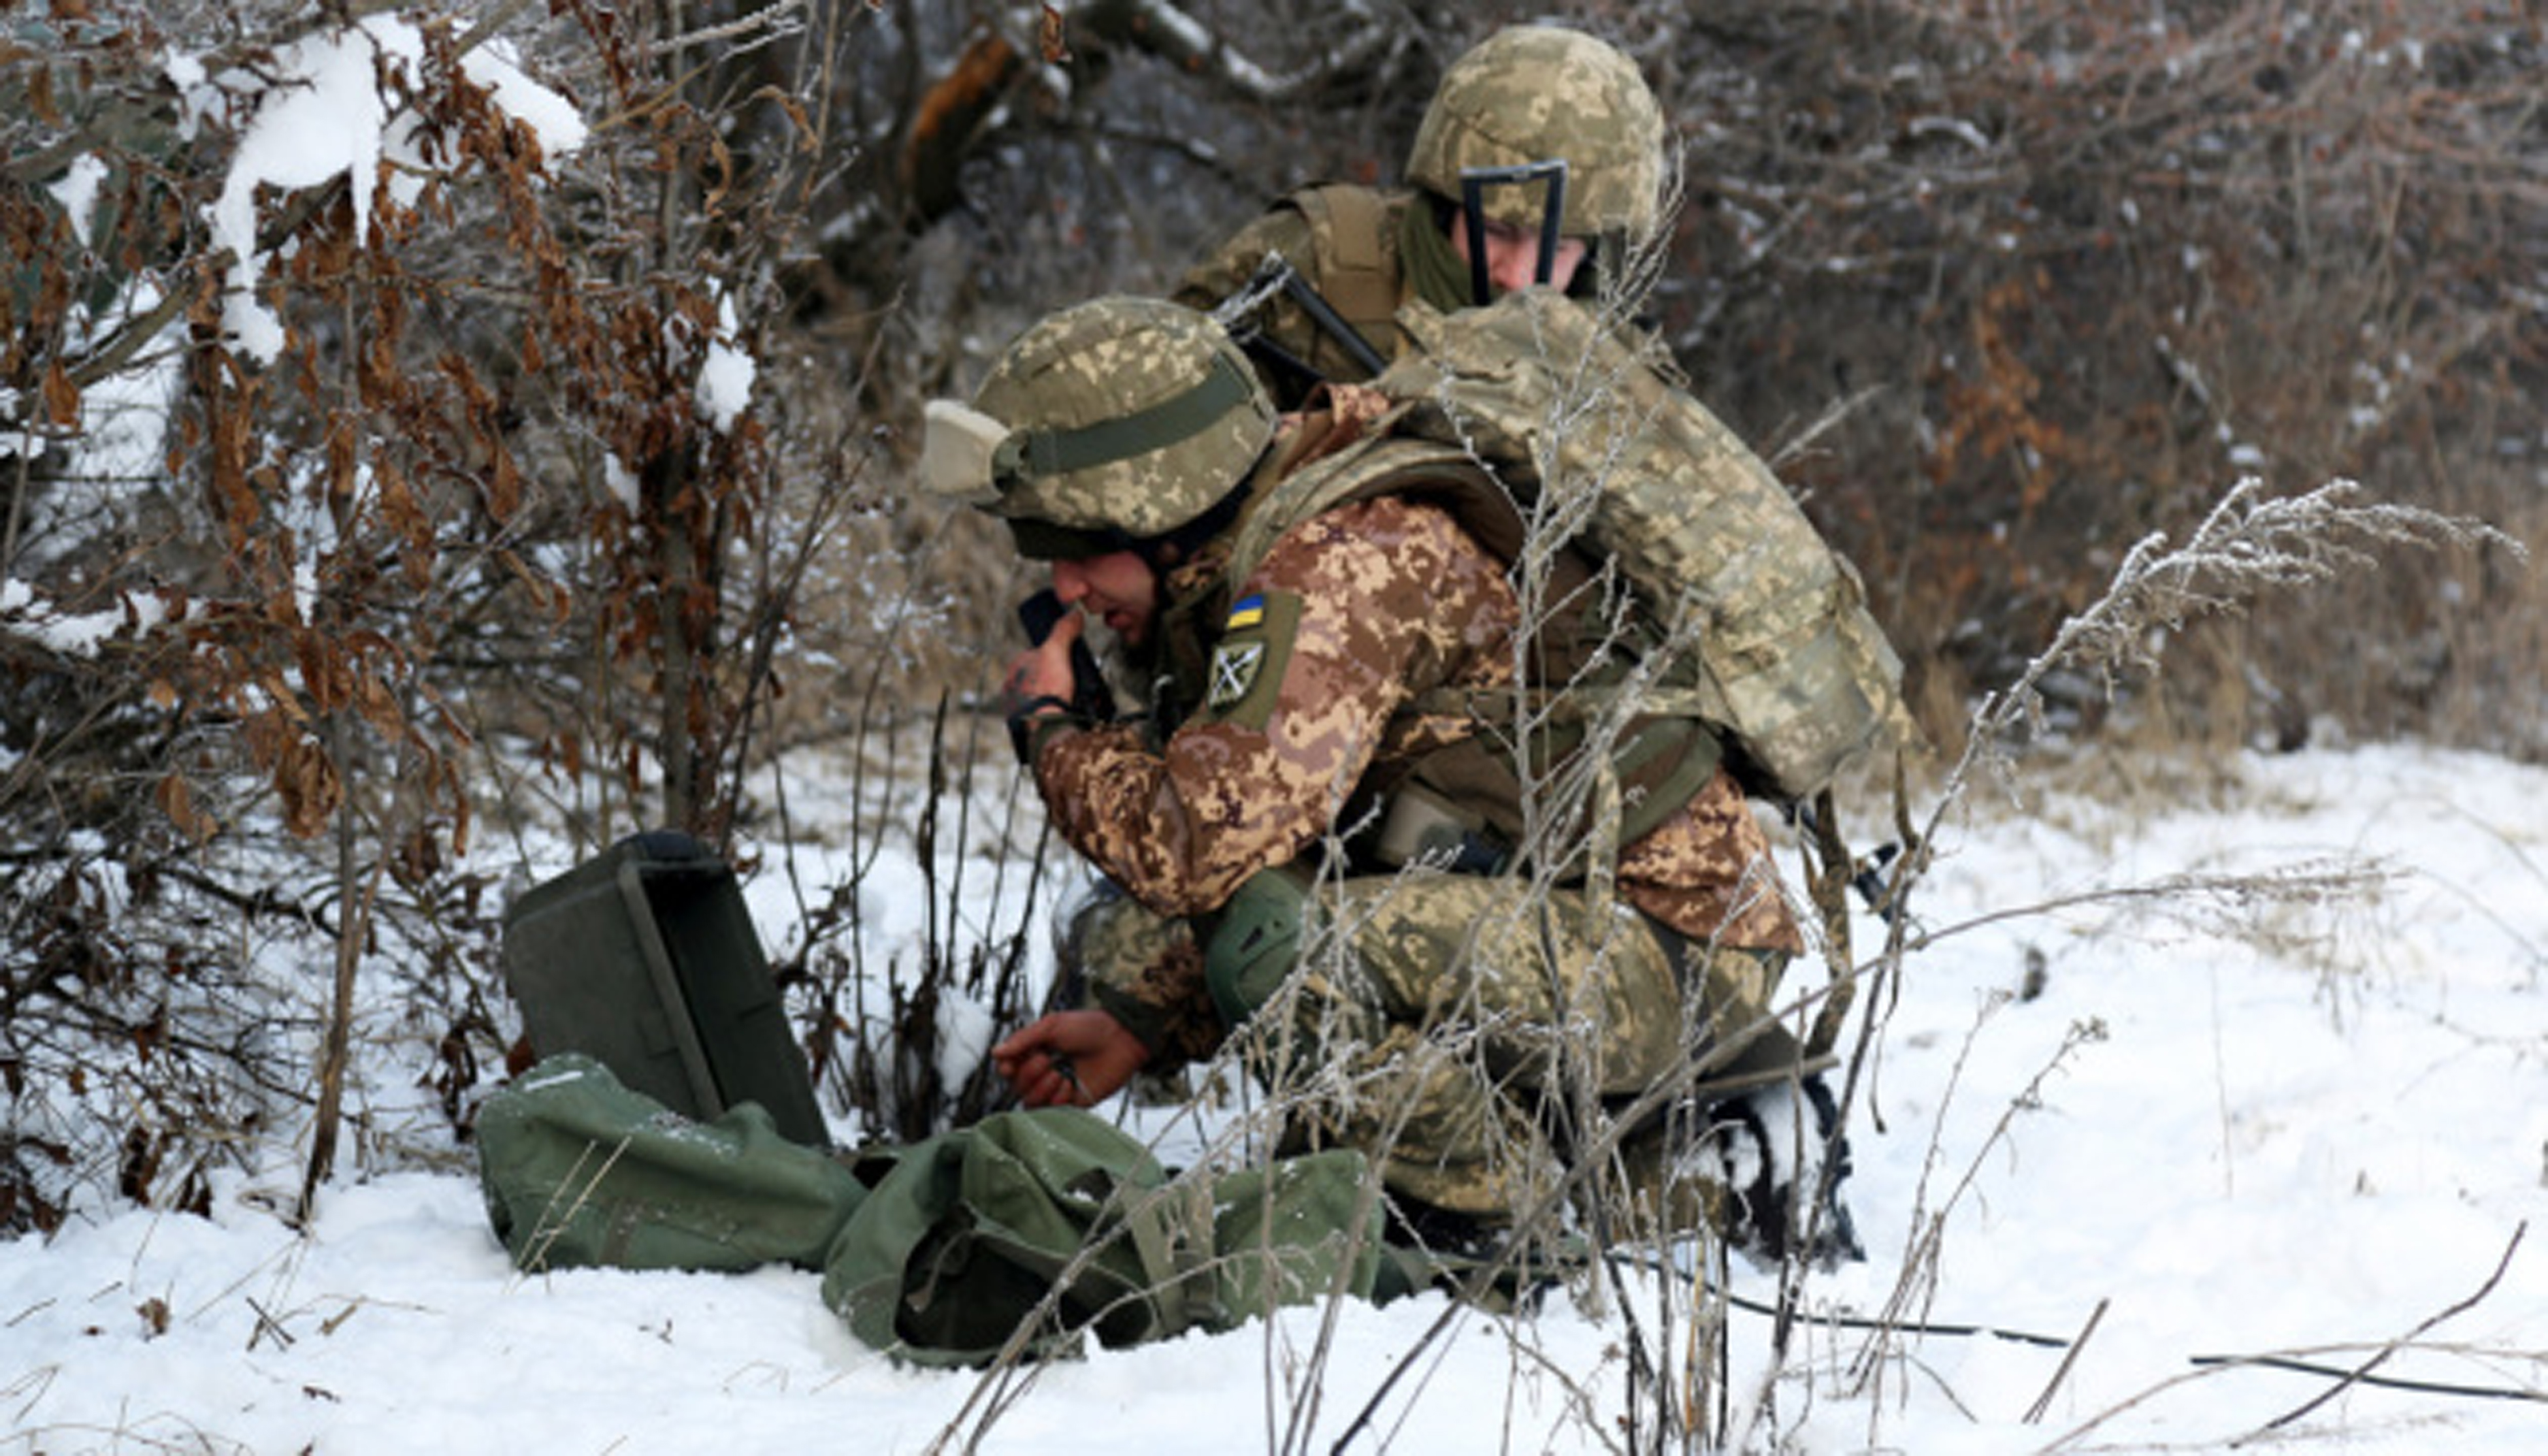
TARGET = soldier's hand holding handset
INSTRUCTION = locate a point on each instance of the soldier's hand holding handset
(1056, 673)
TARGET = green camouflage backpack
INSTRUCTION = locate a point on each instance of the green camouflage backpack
(1784, 662)
(1792, 669)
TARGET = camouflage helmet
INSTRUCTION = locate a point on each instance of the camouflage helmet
(1536, 93)
(1111, 422)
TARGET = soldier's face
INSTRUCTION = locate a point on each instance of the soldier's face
(1513, 255)
(1117, 589)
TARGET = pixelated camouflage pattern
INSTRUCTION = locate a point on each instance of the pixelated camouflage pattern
(1793, 664)
(1392, 598)
(1454, 1007)
(1397, 601)
(1147, 970)
(1656, 763)
(1104, 360)
(1400, 601)
(1534, 93)
(1451, 1116)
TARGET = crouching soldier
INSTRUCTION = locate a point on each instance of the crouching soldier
(1330, 834)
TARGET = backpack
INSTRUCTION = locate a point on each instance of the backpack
(1793, 670)
(1310, 290)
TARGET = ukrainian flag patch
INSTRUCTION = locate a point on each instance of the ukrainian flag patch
(1249, 611)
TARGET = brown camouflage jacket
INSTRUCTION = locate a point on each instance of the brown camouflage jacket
(1348, 618)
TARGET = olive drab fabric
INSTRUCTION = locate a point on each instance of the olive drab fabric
(579, 1172)
(1536, 93)
(1124, 418)
(1346, 242)
(938, 1252)
(1794, 670)
(964, 1236)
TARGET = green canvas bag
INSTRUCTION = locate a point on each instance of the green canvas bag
(1058, 1221)
(577, 1170)
(937, 1252)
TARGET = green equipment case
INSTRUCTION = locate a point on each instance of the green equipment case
(644, 958)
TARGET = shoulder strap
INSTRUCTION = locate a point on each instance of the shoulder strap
(1378, 465)
(1358, 271)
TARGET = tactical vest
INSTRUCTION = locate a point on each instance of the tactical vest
(1521, 779)
(1349, 260)
(1354, 233)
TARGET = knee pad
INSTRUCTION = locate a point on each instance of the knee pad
(1253, 948)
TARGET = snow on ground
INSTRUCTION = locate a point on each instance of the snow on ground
(2293, 1132)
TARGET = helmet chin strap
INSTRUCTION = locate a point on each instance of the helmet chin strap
(1475, 181)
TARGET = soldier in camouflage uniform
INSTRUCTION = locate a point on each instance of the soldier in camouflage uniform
(1467, 1026)
(1525, 98)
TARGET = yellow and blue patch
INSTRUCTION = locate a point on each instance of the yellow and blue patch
(1246, 674)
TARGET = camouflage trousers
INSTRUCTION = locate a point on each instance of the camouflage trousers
(1471, 1035)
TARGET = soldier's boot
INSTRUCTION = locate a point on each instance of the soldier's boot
(1777, 1157)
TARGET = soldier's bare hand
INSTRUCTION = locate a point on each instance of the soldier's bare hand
(1069, 1058)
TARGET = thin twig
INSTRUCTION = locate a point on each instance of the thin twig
(2288, 1362)
(2391, 1347)
(2070, 1357)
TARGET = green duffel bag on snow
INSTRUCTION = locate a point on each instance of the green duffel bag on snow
(938, 1252)
(1054, 1221)
(579, 1171)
